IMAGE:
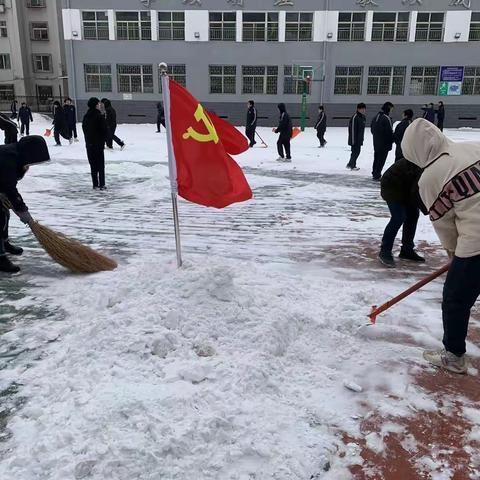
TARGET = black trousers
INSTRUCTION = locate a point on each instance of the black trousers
(72, 130)
(321, 137)
(356, 149)
(25, 128)
(250, 133)
(56, 136)
(460, 293)
(440, 125)
(159, 125)
(283, 143)
(11, 135)
(111, 137)
(96, 159)
(380, 157)
(4, 219)
(406, 215)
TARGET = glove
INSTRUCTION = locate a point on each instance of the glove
(25, 217)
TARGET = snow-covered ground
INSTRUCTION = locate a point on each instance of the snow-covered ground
(251, 362)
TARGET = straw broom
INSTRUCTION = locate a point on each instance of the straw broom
(70, 253)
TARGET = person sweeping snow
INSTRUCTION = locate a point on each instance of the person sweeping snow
(15, 160)
(450, 190)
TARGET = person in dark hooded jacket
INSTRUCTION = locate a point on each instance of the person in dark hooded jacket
(285, 130)
(160, 116)
(70, 118)
(440, 111)
(399, 188)
(25, 117)
(96, 132)
(15, 160)
(111, 119)
(382, 131)
(321, 125)
(400, 132)
(356, 135)
(60, 128)
(251, 124)
(10, 128)
(429, 112)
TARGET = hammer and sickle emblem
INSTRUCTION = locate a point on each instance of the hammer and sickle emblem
(211, 136)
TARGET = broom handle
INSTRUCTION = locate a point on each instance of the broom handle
(261, 139)
(406, 293)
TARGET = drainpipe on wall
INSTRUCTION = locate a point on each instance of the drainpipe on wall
(73, 75)
(324, 53)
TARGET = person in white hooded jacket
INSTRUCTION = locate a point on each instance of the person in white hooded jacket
(450, 190)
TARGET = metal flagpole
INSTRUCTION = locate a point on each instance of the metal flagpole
(172, 165)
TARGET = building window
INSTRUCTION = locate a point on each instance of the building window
(3, 29)
(223, 78)
(134, 26)
(7, 92)
(44, 93)
(177, 73)
(292, 84)
(348, 81)
(39, 31)
(429, 27)
(386, 80)
(475, 27)
(351, 27)
(36, 3)
(5, 61)
(171, 25)
(95, 26)
(390, 27)
(260, 27)
(424, 80)
(223, 26)
(299, 27)
(471, 81)
(98, 77)
(42, 63)
(259, 80)
(135, 78)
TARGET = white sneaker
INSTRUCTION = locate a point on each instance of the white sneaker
(76, 140)
(355, 169)
(109, 148)
(446, 360)
(280, 159)
(70, 141)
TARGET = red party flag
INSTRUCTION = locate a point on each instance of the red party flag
(206, 173)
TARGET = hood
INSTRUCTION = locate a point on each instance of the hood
(387, 108)
(106, 102)
(32, 150)
(282, 108)
(423, 143)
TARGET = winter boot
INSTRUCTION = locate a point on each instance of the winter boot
(12, 249)
(410, 255)
(386, 258)
(7, 266)
(446, 360)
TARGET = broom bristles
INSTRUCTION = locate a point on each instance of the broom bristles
(70, 253)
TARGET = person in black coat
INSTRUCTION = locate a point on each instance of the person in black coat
(285, 130)
(356, 134)
(10, 128)
(440, 115)
(399, 188)
(160, 116)
(429, 112)
(111, 119)
(25, 117)
(70, 118)
(60, 128)
(382, 131)
(251, 124)
(13, 109)
(321, 125)
(400, 132)
(96, 133)
(15, 160)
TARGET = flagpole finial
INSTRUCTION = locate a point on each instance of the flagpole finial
(163, 68)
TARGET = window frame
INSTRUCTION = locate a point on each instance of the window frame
(349, 77)
(434, 91)
(429, 29)
(474, 31)
(223, 27)
(270, 28)
(35, 27)
(4, 95)
(390, 76)
(475, 80)
(5, 61)
(142, 31)
(352, 30)
(223, 78)
(3, 29)
(145, 87)
(394, 25)
(96, 25)
(101, 75)
(43, 4)
(297, 26)
(175, 28)
(265, 76)
(177, 72)
(36, 57)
